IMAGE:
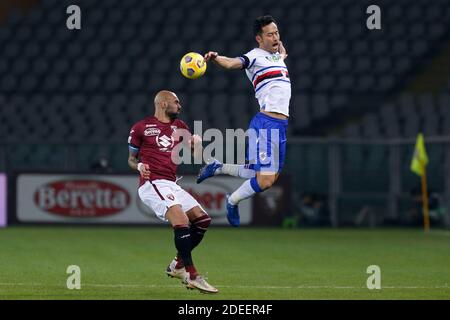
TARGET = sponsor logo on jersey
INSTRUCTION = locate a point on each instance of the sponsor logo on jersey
(152, 132)
(165, 143)
(274, 58)
(82, 198)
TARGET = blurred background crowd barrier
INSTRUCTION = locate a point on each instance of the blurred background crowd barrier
(332, 182)
(360, 97)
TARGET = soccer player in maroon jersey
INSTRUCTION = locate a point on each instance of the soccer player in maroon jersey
(151, 144)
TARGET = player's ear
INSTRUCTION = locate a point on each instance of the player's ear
(258, 39)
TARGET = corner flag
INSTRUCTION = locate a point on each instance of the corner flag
(420, 158)
(418, 166)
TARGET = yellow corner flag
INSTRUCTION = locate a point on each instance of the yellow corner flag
(418, 166)
(420, 158)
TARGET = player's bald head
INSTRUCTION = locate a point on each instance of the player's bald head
(165, 96)
(167, 104)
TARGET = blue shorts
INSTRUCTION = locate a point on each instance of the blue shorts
(266, 147)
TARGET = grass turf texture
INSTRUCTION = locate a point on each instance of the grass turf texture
(129, 263)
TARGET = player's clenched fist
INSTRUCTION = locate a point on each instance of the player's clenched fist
(211, 55)
(282, 50)
(144, 170)
(195, 140)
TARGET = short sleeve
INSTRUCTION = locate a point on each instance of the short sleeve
(135, 138)
(245, 61)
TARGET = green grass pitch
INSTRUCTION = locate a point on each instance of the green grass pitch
(129, 263)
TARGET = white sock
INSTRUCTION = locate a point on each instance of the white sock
(236, 170)
(243, 192)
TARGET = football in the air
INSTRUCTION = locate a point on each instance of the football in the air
(192, 65)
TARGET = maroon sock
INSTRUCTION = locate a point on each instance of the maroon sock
(180, 263)
(192, 271)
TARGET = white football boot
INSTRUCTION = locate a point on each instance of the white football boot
(200, 284)
(173, 272)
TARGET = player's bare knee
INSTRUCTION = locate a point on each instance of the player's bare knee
(266, 181)
(266, 184)
(176, 216)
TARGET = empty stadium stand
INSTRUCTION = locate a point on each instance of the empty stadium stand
(91, 85)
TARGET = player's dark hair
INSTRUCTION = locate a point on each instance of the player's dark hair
(260, 23)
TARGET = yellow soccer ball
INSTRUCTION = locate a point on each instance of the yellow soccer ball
(192, 65)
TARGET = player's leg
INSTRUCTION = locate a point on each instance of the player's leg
(247, 190)
(250, 186)
(237, 170)
(215, 168)
(200, 222)
(160, 195)
(199, 219)
(262, 181)
(180, 224)
(267, 148)
(265, 180)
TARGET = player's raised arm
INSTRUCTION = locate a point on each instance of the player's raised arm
(224, 62)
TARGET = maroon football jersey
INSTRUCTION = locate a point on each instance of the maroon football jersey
(155, 141)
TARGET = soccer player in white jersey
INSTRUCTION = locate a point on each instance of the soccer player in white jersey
(266, 70)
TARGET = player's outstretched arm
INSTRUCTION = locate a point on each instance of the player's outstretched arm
(134, 164)
(224, 62)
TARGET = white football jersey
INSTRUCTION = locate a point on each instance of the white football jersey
(270, 78)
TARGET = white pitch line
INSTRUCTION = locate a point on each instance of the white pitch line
(446, 286)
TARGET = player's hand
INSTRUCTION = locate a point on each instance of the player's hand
(282, 50)
(195, 140)
(144, 170)
(211, 55)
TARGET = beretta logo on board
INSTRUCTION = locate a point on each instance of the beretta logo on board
(82, 198)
